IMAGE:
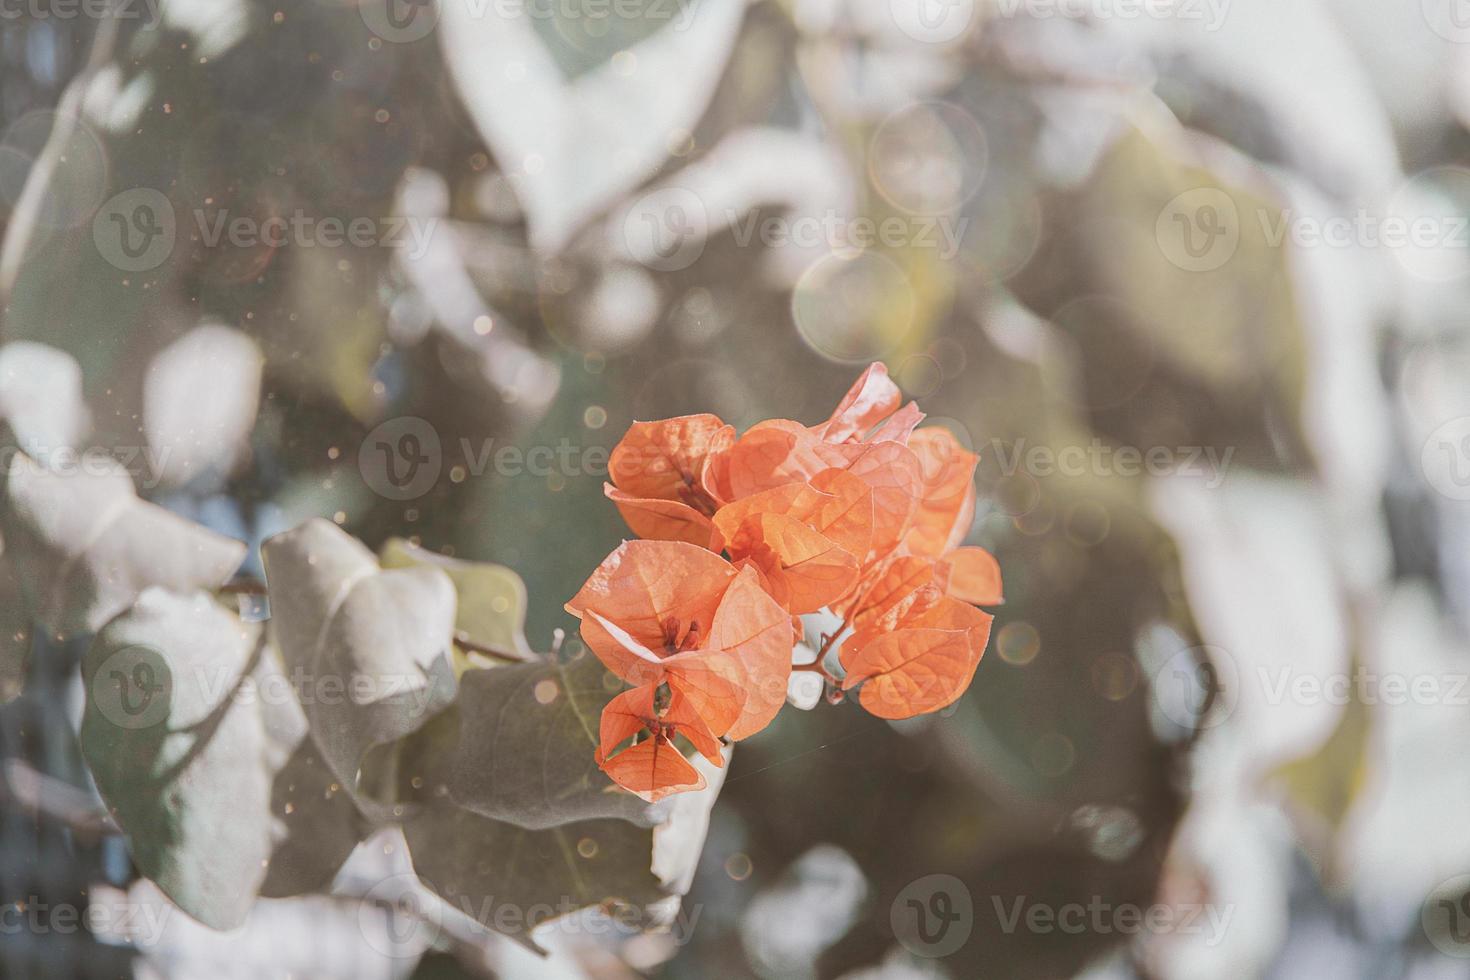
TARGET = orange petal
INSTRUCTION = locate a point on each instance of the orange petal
(974, 576)
(895, 584)
(896, 478)
(797, 498)
(620, 652)
(947, 505)
(661, 520)
(807, 569)
(653, 769)
(900, 425)
(769, 455)
(755, 633)
(870, 400)
(912, 671)
(900, 615)
(625, 716)
(663, 460)
(686, 720)
(713, 682)
(846, 514)
(644, 584)
(952, 614)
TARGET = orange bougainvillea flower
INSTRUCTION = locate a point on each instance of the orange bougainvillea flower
(660, 612)
(863, 514)
(925, 663)
(657, 474)
(774, 453)
(653, 767)
(866, 436)
(807, 540)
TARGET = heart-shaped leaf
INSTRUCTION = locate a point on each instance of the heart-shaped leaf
(491, 607)
(368, 650)
(512, 879)
(527, 734)
(575, 145)
(84, 546)
(181, 763)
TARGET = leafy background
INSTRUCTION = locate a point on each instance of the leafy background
(540, 147)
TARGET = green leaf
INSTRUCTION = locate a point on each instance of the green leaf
(526, 738)
(368, 650)
(491, 607)
(84, 546)
(511, 879)
(198, 746)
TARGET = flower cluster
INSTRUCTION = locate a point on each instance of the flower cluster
(862, 516)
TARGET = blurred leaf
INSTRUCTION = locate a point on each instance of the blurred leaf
(41, 398)
(199, 402)
(344, 625)
(491, 599)
(83, 545)
(511, 878)
(197, 743)
(1162, 227)
(619, 120)
(320, 821)
(180, 762)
